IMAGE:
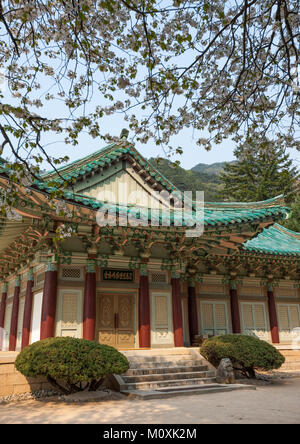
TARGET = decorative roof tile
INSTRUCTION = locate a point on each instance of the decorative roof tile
(275, 240)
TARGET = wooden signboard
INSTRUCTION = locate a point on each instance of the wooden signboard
(118, 275)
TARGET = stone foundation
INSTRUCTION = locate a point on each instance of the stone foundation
(13, 382)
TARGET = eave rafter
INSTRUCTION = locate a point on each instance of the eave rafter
(22, 250)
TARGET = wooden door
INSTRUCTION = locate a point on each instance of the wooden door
(124, 321)
(106, 319)
(115, 320)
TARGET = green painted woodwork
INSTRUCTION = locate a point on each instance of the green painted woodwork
(91, 266)
(30, 276)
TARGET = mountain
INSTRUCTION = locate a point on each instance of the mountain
(210, 169)
(190, 180)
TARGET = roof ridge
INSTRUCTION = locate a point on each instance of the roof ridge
(86, 158)
(287, 230)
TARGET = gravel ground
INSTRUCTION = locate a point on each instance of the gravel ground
(272, 403)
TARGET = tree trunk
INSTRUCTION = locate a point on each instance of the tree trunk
(55, 384)
(94, 385)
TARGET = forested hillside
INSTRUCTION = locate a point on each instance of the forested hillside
(192, 180)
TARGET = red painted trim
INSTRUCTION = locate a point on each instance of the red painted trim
(2, 316)
(177, 313)
(89, 307)
(2, 309)
(192, 313)
(27, 314)
(144, 313)
(49, 305)
(14, 320)
(235, 311)
(273, 318)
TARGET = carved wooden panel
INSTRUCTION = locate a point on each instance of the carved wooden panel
(106, 311)
(125, 321)
(125, 311)
(69, 310)
(115, 320)
(125, 339)
(107, 337)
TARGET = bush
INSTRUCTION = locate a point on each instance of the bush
(79, 363)
(246, 353)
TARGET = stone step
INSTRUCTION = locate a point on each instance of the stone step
(162, 370)
(186, 391)
(292, 358)
(290, 366)
(170, 383)
(165, 364)
(168, 358)
(168, 377)
(159, 352)
(290, 352)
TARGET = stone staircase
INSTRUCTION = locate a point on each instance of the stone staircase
(169, 372)
(292, 360)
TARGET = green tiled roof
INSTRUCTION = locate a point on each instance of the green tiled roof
(275, 240)
(104, 157)
(213, 216)
(215, 213)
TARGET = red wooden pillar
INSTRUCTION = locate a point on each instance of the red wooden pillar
(177, 311)
(2, 314)
(144, 310)
(3, 306)
(192, 311)
(89, 303)
(27, 310)
(273, 315)
(14, 317)
(49, 302)
(235, 309)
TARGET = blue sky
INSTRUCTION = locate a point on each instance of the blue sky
(192, 154)
(113, 124)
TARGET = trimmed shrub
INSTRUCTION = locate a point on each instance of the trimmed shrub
(78, 363)
(246, 353)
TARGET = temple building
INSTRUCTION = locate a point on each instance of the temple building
(145, 284)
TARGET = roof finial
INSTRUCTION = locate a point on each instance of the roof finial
(124, 133)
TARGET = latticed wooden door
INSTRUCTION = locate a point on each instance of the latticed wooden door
(115, 320)
(289, 321)
(214, 318)
(254, 320)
